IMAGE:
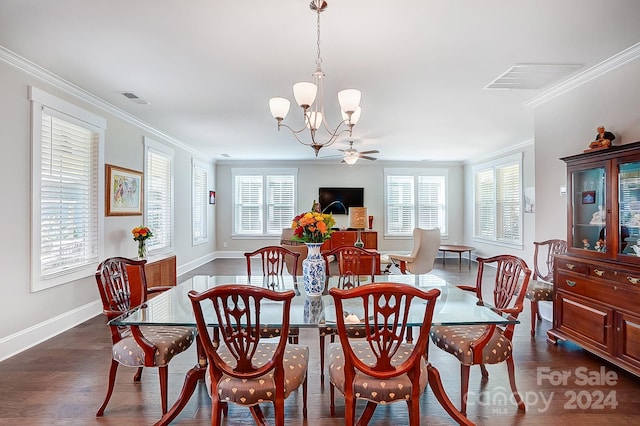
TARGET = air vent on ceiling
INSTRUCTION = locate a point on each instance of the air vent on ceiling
(532, 76)
(135, 98)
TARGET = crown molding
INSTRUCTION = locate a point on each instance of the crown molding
(596, 71)
(58, 82)
(500, 153)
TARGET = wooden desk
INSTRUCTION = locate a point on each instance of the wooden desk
(456, 249)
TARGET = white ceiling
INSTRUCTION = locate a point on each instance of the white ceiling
(209, 67)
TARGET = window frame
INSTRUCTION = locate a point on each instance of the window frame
(199, 166)
(76, 115)
(416, 174)
(264, 173)
(152, 147)
(494, 167)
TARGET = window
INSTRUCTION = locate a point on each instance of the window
(263, 201)
(67, 191)
(199, 201)
(498, 200)
(159, 195)
(415, 199)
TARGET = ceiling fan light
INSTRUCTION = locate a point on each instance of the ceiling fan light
(349, 99)
(279, 107)
(351, 158)
(355, 117)
(305, 93)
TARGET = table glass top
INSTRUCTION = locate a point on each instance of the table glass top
(173, 307)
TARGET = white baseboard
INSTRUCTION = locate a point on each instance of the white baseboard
(38, 333)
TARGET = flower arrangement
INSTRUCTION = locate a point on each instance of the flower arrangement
(140, 234)
(312, 227)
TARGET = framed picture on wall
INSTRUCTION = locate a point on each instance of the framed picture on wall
(123, 192)
(212, 197)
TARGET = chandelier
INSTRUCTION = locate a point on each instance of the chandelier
(310, 97)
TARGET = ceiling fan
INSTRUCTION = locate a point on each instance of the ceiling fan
(351, 155)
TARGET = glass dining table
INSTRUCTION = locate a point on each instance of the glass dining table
(173, 307)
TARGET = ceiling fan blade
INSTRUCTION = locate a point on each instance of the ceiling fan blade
(374, 151)
(366, 157)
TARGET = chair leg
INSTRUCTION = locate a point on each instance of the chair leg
(534, 317)
(322, 358)
(332, 404)
(512, 381)
(163, 373)
(304, 397)
(367, 413)
(409, 335)
(279, 411)
(112, 381)
(464, 387)
(216, 411)
(138, 375)
(485, 373)
(414, 411)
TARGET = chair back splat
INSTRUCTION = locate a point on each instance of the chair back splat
(381, 369)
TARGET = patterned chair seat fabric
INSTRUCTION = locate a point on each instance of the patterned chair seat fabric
(457, 341)
(255, 391)
(170, 341)
(367, 387)
(540, 291)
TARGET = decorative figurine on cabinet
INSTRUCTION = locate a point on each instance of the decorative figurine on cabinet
(603, 139)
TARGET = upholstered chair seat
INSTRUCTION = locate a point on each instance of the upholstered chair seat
(169, 341)
(370, 388)
(457, 341)
(540, 291)
(255, 391)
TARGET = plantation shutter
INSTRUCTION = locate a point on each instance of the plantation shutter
(68, 194)
(199, 200)
(508, 202)
(159, 187)
(431, 202)
(400, 204)
(248, 208)
(484, 204)
(280, 203)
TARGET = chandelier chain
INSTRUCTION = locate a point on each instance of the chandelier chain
(319, 58)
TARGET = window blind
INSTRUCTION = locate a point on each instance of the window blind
(158, 206)
(199, 200)
(68, 195)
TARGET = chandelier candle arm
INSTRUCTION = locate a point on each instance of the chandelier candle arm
(310, 97)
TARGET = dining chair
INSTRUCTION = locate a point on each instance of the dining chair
(354, 264)
(426, 243)
(381, 368)
(488, 344)
(244, 370)
(272, 261)
(541, 289)
(148, 346)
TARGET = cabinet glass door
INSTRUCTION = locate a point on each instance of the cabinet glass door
(589, 209)
(629, 208)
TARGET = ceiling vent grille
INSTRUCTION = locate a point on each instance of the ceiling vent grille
(532, 76)
(135, 98)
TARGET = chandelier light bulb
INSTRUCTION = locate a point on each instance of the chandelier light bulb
(279, 107)
(349, 99)
(354, 117)
(305, 93)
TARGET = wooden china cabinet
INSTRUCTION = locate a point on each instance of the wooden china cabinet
(597, 282)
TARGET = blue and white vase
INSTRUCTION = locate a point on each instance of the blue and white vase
(313, 273)
(313, 307)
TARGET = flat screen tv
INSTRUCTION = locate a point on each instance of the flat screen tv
(338, 200)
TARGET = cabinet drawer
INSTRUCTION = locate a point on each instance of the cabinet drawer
(618, 276)
(572, 265)
(610, 293)
(585, 320)
(628, 338)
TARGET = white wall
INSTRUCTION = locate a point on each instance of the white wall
(26, 317)
(565, 125)
(314, 174)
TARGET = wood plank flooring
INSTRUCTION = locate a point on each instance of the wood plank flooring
(63, 382)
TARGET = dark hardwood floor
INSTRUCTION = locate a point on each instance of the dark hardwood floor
(63, 382)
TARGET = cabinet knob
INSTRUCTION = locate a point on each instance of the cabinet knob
(571, 283)
(598, 272)
(570, 266)
(633, 280)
